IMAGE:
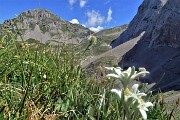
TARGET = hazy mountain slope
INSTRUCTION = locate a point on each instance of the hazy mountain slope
(115, 53)
(42, 25)
(104, 38)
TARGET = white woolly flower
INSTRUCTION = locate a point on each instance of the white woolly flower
(143, 107)
(133, 96)
(127, 75)
(133, 93)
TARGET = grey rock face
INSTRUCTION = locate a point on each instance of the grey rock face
(159, 48)
(160, 19)
(42, 25)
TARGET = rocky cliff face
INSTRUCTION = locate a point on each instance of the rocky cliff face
(42, 25)
(160, 19)
(159, 48)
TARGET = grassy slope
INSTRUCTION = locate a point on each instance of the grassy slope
(41, 82)
(104, 38)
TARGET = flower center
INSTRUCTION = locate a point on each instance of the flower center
(127, 91)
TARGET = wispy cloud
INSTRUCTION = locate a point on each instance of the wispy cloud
(82, 3)
(72, 2)
(96, 29)
(74, 21)
(94, 18)
(109, 17)
(107, 2)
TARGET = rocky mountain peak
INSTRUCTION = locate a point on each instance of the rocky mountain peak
(42, 25)
(158, 50)
(159, 19)
(38, 13)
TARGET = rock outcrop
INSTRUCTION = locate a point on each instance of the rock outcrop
(42, 25)
(159, 48)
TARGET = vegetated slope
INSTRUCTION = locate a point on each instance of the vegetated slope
(159, 48)
(115, 53)
(104, 38)
(42, 25)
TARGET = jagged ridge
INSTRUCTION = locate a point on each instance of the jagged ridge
(43, 25)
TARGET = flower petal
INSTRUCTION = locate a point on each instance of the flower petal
(148, 104)
(141, 94)
(143, 74)
(128, 71)
(118, 70)
(143, 113)
(109, 68)
(112, 75)
(117, 92)
(135, 88)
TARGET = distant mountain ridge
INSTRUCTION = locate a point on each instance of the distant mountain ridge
(41, 24)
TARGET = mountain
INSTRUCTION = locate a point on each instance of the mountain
(42, 25)
(158, 50)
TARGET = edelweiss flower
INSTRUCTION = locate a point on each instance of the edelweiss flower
(133, 93)
(127, 75)
(131, 97)
(117, 72)
(143, 107)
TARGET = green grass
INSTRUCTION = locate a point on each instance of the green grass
(46, 82)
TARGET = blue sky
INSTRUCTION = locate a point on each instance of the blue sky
(94, 14)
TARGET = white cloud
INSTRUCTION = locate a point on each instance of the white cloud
(72, 2)
(96, 29)
(83, 25)
(109, 17)
(74, 21)
(94, 18)
(82, 3)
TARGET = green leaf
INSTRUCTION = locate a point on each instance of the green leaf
(91, 111)
(65, 106)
